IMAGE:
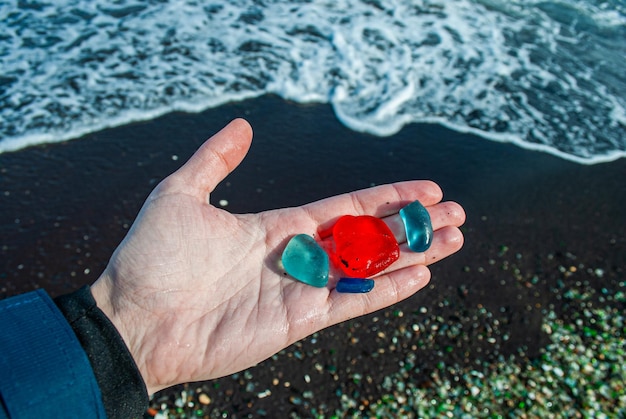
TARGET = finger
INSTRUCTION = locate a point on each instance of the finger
(379, 201)
(441, 215)
(216, 158)
(446, 241)
(449, 240)
(388, 289)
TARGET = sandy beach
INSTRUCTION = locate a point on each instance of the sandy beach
(536, 294)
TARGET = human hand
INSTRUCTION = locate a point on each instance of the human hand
(197, 292)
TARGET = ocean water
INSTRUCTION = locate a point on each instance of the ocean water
(546, 75)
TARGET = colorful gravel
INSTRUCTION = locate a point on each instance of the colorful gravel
(579, 372)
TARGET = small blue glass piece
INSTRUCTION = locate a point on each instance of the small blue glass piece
(355, 285)
(419, 229)
(306, 261)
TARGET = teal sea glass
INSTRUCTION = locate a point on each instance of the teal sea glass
(418, 227)
(306, 261)
(355, 285)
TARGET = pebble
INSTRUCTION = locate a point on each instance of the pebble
(354, 285)
(264, 394)
(418, 227)
(364, 245)
(306, 261)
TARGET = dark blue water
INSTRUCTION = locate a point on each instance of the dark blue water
(547, 75)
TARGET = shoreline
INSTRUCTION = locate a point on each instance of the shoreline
(539, 228)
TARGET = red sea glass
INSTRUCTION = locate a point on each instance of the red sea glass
(364, 245)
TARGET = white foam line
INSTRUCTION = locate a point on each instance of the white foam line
(387, 131)
(19, 143)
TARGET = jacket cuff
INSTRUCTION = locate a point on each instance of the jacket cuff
(123, 390)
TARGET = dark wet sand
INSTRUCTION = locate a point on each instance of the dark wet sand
(537, 227)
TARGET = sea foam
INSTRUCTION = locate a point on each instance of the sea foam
(544, 75)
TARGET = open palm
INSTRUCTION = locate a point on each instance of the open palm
(198, 293)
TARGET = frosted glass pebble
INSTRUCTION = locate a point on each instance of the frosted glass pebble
(306, 261)
(354, 285)
(418, 227)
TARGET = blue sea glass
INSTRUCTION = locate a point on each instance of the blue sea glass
(419, 229)
(355, 285)
(306, 261)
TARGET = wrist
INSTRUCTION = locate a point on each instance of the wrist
(104, 295)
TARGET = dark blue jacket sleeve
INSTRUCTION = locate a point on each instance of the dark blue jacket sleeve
(64, 358)
(43, 367)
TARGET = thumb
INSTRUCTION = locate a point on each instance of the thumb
(217, 157)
